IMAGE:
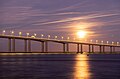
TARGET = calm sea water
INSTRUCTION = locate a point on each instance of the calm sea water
(60, 66)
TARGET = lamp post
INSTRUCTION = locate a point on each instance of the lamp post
(107, 42)
(56, 37)
(48, 36)
(112, 42)
(96, 41)
(12, 32)
(42, 35)
(28, 34)
(91, 41)
(20, 33)
(3, 32)
(35, 34)
(117, 43)
(101, 42)
(62, 37)
(68, 38)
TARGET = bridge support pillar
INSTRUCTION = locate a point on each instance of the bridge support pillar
(92, 48)
(9, 44)
(81, 48)
(42, 46)
(78, 46)
(29, 45)
(111, 49)
(103, 49)
(67, 47)
(25, 45)
(13, 44)
(46, 46)
(100, 49)
(63, 47)
(89, 48)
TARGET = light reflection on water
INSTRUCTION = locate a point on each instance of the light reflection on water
(59, 66)
(82, 67)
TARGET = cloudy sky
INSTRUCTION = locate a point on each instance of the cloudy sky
(100, 18)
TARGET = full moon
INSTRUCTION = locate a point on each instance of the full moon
(81, 34)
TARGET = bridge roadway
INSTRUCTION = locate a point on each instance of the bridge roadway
(44, 45)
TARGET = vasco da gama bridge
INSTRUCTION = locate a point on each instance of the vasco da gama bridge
(65, 43)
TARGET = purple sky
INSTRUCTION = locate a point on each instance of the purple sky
(101, 18)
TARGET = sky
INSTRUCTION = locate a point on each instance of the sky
(100, 18)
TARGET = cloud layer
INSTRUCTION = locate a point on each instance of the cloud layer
(66, 16)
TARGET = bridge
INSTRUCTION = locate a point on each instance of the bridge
(65, 43)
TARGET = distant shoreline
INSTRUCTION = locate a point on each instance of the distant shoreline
(37, 53)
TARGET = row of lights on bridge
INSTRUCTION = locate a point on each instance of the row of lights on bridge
(68, 38)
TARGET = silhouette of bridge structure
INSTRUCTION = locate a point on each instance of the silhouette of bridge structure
(65, 43)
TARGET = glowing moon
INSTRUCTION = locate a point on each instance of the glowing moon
(81, 34)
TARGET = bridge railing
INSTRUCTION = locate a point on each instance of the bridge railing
(64, 41)
(61, 38)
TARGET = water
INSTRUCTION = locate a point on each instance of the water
(60, 66)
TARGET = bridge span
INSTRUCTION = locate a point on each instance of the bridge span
(65, 44)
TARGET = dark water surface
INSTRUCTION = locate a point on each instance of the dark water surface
(60, 66)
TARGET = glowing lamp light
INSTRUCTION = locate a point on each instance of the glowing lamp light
(48, 36)
(112, 43)
(96, 41)
(35, 34)
(20, 33)
(107, 42)
(62, 37)
(28, 34)
(55, 37)
(117, 43)
(12, 32)
(91, 41)
(68, 38)
(42, 35)
(102, 42)
(3, 33)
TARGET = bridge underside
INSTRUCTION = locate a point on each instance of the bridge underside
(65, 45)
(59, 52)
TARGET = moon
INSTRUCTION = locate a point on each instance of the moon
(81, 34)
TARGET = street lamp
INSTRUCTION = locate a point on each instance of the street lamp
(74, 39)
(62, 37)
(28, 34)
(55, 37)
(68, 38)
(42, 35)
(48, 36)
(96, 41)
(102, 42)
(112, 42)
(12, 32)
(20, 33)
(107, 42)
(91, 41)
(3, 33)
(35, 34)
(117, 43)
